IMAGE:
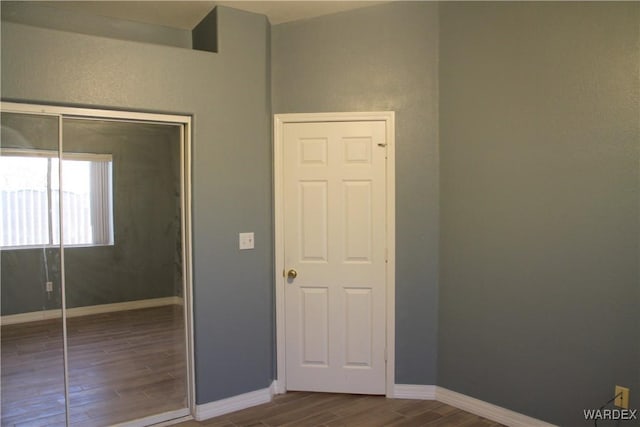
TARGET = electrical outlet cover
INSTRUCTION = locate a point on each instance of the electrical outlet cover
(622, 401)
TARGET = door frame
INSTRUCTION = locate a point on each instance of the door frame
(278, 199)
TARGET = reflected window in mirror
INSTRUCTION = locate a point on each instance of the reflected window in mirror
(30, 199)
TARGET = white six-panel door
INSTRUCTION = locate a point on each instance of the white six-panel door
(334, 244)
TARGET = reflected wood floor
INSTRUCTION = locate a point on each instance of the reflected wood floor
(334, 410)
(122, 366)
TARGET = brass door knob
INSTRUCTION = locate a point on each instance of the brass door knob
(292, 274)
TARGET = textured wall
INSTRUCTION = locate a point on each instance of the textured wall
(539, 115)
(39, 14)
(24, 272)
(227, 94)
(146, 181)
(382, 58)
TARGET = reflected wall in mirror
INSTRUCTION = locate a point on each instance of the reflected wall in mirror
(120, 273)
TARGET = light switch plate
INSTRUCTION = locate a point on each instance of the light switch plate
(247, 241)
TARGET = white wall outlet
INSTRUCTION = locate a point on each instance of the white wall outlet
(247, 241)
(49, 286)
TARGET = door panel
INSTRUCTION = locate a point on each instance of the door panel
(313, 221)
(358, 221)
(315, 331)
(358, 327)
(334, 237)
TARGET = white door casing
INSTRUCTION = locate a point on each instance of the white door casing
(334, 203)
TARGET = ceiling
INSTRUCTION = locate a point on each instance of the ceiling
(187, 14)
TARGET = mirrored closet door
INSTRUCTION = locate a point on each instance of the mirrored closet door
(31, 339)
(118, 262)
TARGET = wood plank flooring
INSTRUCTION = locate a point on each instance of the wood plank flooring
(122, 366)
(131, 364)
(340, 410)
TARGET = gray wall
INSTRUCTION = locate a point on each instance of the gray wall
(146, 181)
(382, 58)
(539, 115)
(227, 94)
(24, 272)
(40, 14)
(141, 264)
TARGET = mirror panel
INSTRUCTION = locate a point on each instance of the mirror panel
(121, 187)
(32, 363)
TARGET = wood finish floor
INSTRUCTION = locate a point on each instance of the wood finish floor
(122, 366)
(131, 364)
(341, 410)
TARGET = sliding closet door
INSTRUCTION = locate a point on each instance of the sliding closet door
(121, 190)
(32, 365)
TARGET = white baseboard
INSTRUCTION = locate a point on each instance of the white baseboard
(487, 410)
(34, 316)
(235, 403)
(467, 403)
(278, 387)
(412, 391)
(400, 391)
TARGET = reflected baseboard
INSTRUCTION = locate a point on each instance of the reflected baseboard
(35, 316)
(159, 420)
